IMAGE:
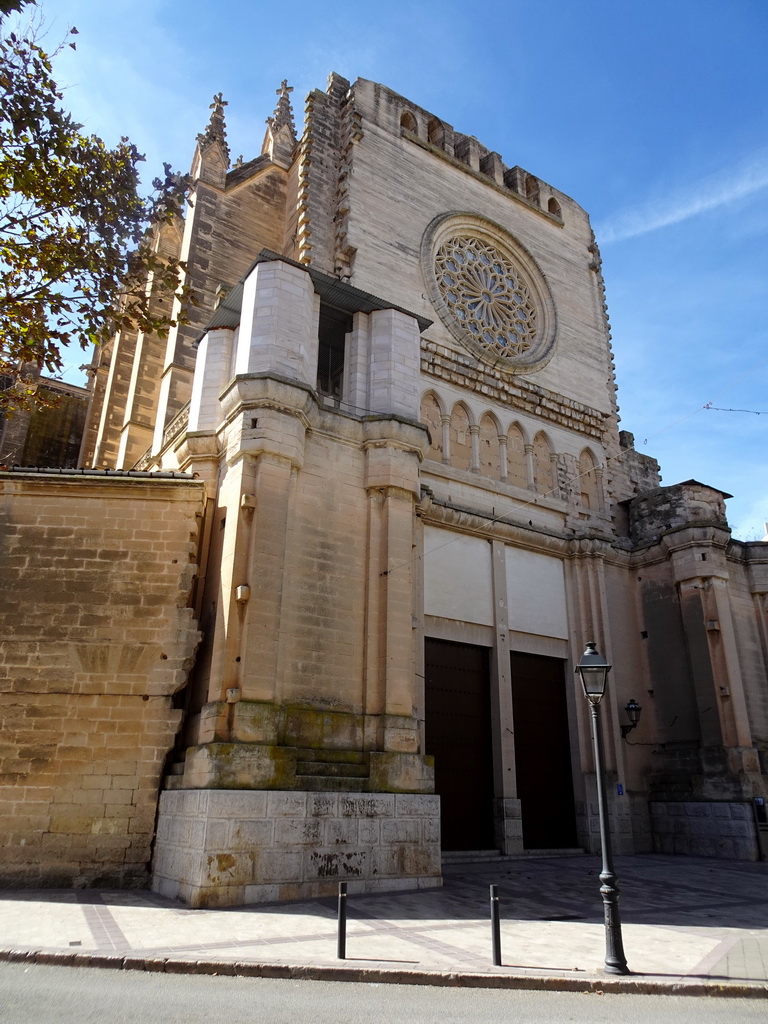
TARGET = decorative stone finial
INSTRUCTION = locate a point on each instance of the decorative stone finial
(216, 130)
(283, 116)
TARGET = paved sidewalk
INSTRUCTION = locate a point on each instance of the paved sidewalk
(690, 926)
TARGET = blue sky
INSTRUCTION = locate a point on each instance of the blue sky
(652, 115)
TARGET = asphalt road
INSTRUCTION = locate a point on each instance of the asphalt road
(38, 994)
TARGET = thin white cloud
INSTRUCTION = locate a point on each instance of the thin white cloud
(751, 520)
(708, 194)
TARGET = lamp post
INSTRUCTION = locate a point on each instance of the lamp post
(593, 670)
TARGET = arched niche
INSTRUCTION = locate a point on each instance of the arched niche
(408, 122)
(489, 447)
(432, 414)
(461, 440)
(543, 477)
(589, 488)
(436, 132)
(516, 471)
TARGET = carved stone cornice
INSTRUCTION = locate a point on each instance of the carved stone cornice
(471, 375)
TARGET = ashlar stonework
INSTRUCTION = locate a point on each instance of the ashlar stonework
(395, 410)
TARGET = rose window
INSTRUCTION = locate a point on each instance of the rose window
(487, 294)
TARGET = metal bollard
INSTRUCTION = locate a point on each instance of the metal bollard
(341, 942)
(495, 926)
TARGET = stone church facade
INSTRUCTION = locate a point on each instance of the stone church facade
(392, 419)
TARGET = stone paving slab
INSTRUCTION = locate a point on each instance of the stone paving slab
(689, 925)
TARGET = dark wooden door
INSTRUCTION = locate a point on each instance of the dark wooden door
(543, 752)
(458, 734)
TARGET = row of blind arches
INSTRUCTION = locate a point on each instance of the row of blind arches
(507, 456)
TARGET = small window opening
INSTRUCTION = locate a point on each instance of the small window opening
(335, 325)
(554, 208)
(531, 189)
(408, 121)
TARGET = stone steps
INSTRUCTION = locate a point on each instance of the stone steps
(450, 857)
(332, 769)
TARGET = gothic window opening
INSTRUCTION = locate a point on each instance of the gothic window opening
(335, 325)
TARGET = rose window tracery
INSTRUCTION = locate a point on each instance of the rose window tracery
(487, 294)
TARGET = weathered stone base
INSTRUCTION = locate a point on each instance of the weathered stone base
(620, 818)
(508, 826)
(704, 829)
(219, 848)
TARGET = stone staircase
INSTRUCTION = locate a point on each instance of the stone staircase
(332, 770)
(316, 771)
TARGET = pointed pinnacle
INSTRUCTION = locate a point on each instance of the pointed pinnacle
(283, 116)
(216, 130)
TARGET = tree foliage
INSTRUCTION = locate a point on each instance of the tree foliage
(76, 235)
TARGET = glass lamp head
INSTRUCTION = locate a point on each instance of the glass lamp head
(593, 670)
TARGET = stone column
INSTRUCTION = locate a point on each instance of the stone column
(503, 463)
(446, 422)
(508, 822)
(528, 449)
(474, 438)
(393, 451)
(357, 358)
(600, 488)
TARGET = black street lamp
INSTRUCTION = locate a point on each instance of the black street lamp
(593, 670)
(633, 710)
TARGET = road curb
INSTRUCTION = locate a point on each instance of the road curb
(635, 984)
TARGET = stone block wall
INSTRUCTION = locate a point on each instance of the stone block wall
(628, 819)
(713, 829)
(95, 577)
(231, 847)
